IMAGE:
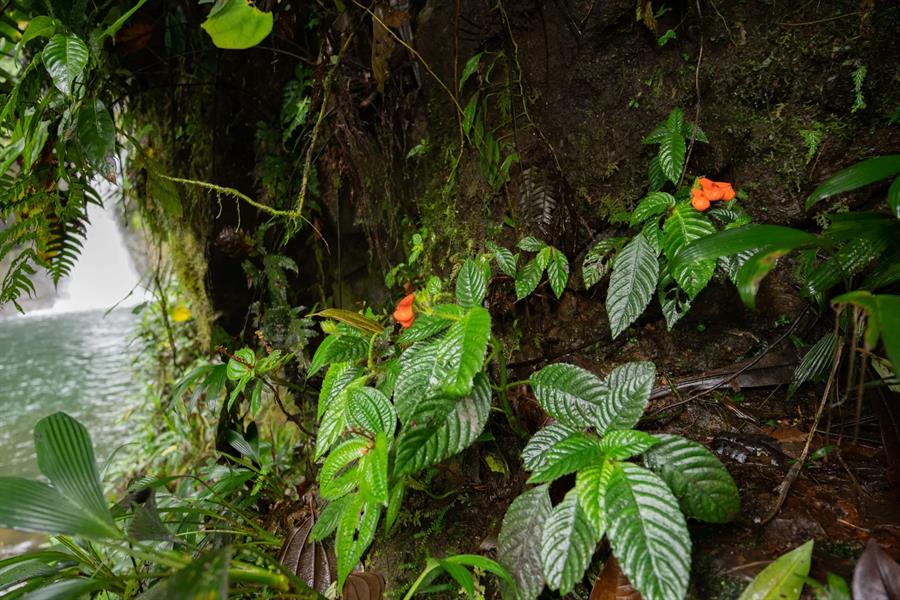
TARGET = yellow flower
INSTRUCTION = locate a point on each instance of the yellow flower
(181, 313)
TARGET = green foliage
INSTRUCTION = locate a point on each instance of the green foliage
(237, 24)
(636, 507)
(455, 566)
(527, 277)
(784, 578)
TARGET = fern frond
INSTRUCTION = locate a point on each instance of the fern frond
(17, 281)
(64, 247)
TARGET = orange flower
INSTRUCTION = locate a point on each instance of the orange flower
(710, 191)
(404, 313)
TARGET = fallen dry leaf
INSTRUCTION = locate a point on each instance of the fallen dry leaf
(877, 576)
(612, 584)
(314, 563)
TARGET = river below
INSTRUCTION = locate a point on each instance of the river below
(79, 363)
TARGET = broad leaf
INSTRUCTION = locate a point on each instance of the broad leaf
(96, 133)
(672, 148)
(426, 326)
(534, 455)
(443, 427)
(236, 25)
(883, 313)
(531, 244)
(328, 519)
(856, 176)
(462, 349)
(65, 57)
(471, 285)
(893, 197)
(634, 276)
(519, 542)
(370, 410)
(338, 348)
(66, 456)
(240, 365)
(590, 485)
(528, 278)
(784, 578)
(567, 545)
(852, 258)
(40, 26)
(374, 470)
(569, 394)
(506, 260)
(598, 260)
(620, 444)
(648, 533)
(558, 272)
(651, 205)
(572, 453)
(683, 226)
(355, 531)
(672, 299)
(345, 454)
(748, 237)
(28, 505)
(420, 372)
(695, 475)
(334, 421)
(337, 378)
(625, 393)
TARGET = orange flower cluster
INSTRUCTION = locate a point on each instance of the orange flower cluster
(710, 191)
(404, 313)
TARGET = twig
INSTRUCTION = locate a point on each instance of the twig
(690, 149)
(795, 469)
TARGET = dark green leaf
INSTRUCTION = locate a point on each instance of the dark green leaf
(205, 577)
(558, 272)
(648, 533)
(672, 148)
(684, 226)
(528, 278)
(471, 285)
(531, 244)
(856, 176)
(328, 519)
(749, 237)
(519, 542)
(96, 133)
(355, 531)
(241, 365)
(462, 349)
(338, 348)
(567, 545)
(65, 57)
(534, 455)
(634, 276)
(572, 453)
(651, 205)
(754, 271)
(625, 393)
(620, 444)
(370, 410)
(599, 259)
(569, 394)
(815, 364)
(696, 477)
(506, 260)
(893, 197)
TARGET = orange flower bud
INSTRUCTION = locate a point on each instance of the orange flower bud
(727, 192)
(404, 313)
(700, 203)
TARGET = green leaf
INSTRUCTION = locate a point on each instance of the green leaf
(337, 378)
(471, 285)
(462, 349)
(849, 260)
(483, 563)
(534, 455)
(65, 57)
(241, 365)
(883, 312)
(569, 394)
(355, 531)
(576, 451)
(338, 348)
(426, 326)
(506, 260)
(443, 427)
(856, 176)
(590, 485)
(558, 272)
(651, 205)
(96, 133)
(353, 319)
(673, 300)
(65, 589)
(625, 393)
(567, 545)
(331, 485)
(648, 533)
(754, 270)
(40, 26)
(370, 410)
(634, 276)
(395, 502)
(734, 241)
(374, 468)
(784, 578)
(620, 444)
(27, 505)
(893, 197)
(598, 260)
(695, 475)
(66, 457)
(236, 25)
(469, 69)
(461, 575)
(206, 576)
(656, 179)
(334, 420)
(420, 373)
(328, 519)
(683, 226)
(519, 542)
(815, 364)
(672, 148)
(531, 244)
(528, 278)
